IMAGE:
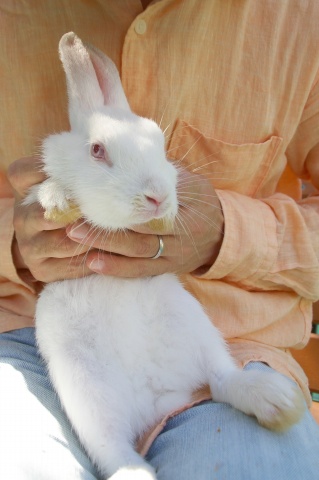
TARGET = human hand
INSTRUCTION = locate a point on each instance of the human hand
(41, 249)
(194, 241)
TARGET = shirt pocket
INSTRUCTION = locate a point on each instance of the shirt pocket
(242, 168)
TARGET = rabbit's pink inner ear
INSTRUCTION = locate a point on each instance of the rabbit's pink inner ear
(108, 78)
(104, 81)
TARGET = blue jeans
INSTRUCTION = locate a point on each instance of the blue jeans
(209, 441)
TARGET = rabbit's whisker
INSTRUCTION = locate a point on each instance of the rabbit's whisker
(184, 224)
(203, 217)
(198, 200)
(199, 180)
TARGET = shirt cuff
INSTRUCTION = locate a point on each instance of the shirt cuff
(249, 246)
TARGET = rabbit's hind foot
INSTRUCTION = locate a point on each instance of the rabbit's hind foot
(134, 473)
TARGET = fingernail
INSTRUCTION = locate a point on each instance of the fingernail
(78, 232)
(97, 265)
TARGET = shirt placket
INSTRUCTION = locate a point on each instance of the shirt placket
(137, 68)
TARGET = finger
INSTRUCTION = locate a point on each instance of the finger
(54, 269)
(31, 219)
(126, 243)
(24, 173)
(58, 245)
(35, 243)
(120, 266)
(53, 244)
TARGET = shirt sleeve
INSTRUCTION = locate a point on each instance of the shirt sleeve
(273, 243)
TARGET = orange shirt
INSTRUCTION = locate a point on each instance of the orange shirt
(236, 85)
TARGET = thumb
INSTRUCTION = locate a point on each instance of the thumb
(23, 174)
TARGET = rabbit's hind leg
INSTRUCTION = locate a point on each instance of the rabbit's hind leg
(99, 412)
(276, 402)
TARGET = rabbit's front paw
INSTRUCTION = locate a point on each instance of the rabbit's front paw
(134, 473)
(58, 208)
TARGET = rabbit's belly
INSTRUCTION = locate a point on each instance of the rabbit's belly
(148, 331)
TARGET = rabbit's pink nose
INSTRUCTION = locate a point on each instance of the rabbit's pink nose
(155, 201)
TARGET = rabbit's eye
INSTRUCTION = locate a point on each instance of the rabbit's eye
(97, 151)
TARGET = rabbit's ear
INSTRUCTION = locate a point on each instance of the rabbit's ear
(92, 79)
(108, 78)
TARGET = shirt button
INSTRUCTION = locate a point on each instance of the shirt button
(140, 27)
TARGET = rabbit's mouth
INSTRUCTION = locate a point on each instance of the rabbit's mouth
(157, 217)
(149, 208)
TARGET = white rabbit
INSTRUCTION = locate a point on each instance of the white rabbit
(123, 353)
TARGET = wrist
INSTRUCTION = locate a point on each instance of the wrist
(212, 237)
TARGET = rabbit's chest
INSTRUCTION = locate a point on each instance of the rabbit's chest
(127, 325)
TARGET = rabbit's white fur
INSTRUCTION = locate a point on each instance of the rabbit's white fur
(123, 353)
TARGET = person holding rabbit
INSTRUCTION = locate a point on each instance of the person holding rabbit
(236, 94)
